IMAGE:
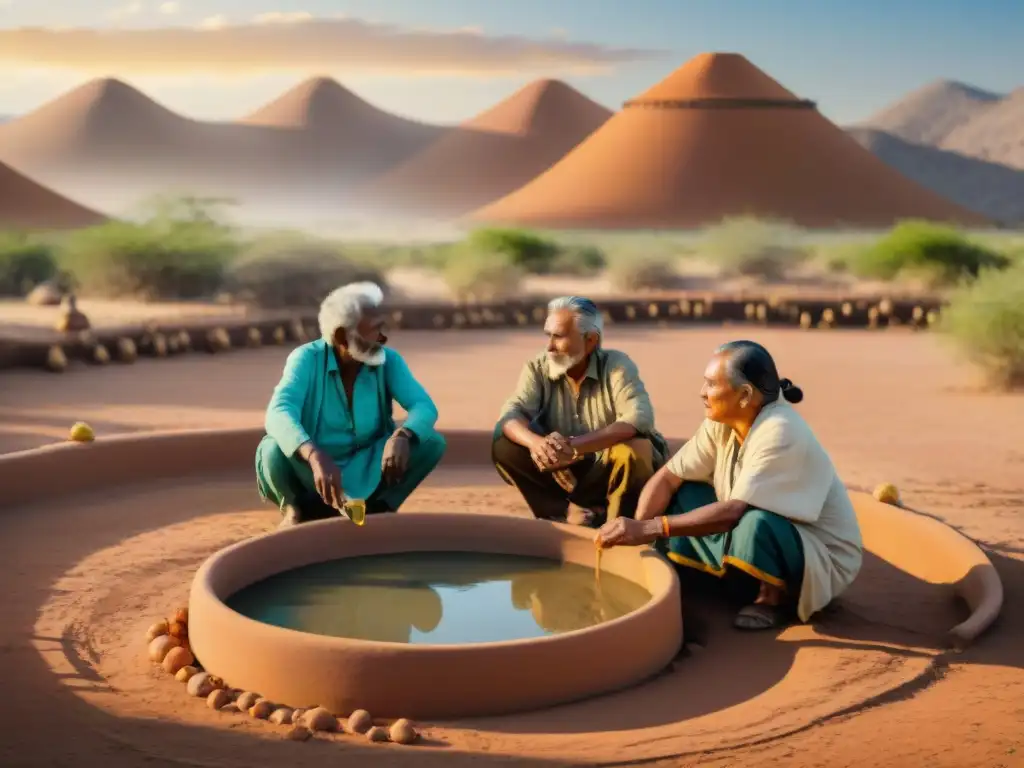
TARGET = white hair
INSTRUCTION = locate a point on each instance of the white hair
(588, 317)
(344, 307)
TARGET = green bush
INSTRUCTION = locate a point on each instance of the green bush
(525, 250)
(748, 247)
(643, 273)
(24, 264)
(472, 275)
(579, 261)
(985, 319)
(158, 259)
(939, 255)
(282, 273)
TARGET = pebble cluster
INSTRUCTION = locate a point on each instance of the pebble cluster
(169, 647)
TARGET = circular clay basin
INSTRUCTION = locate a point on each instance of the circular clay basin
(390, 679)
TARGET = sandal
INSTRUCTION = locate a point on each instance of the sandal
(758, 617)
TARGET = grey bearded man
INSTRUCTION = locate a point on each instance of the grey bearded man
(577, 437)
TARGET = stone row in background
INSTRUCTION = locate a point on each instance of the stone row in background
(126, 344)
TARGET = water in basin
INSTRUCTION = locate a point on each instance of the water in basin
(437, 598)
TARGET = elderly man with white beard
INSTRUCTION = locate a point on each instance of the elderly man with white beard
(331, 438)
(577, 437)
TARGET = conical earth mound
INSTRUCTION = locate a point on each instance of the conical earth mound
(24, 204)
(337, 123)
(490, 155)
(717, 138)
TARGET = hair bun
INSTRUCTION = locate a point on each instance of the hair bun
(790, 391)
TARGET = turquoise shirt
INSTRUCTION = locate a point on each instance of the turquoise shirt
(309, 404)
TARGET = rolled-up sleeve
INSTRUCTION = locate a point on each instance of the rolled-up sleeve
(695, 461)
(525, 401)
(630, 398)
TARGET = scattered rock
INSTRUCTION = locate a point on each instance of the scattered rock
(201, 684)
(177, 659)
(178, 629)
(46, 294)
(56, 360)
(81, 433)
(402, 732)
(100, 355)
(127, 352)
(359, 721)
(218, 699)
(71, 319)
(155, 630)
(319, 719)
(377, 734)
(159, 647)
(185, 674)
(261, 709)
(298, 733)
(247, 699)
(281, 716)
(887, 493)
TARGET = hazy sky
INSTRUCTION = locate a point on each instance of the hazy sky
(445, 60)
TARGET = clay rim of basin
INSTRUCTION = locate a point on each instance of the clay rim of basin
(659, 584)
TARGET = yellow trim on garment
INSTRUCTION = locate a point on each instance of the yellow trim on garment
(747, 568)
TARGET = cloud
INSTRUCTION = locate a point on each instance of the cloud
(169, 8)
(300, 42)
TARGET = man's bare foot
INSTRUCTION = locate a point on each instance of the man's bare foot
(592, 517)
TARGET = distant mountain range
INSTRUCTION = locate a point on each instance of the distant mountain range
(319, 146)
(964, 142)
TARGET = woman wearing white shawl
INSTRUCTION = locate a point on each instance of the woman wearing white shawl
(753, 496)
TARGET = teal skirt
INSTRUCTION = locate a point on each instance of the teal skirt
(764, 545)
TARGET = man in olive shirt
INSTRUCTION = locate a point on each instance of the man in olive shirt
(577, 437)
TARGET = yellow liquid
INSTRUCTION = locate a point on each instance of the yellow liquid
(597, 561)
(355, 509)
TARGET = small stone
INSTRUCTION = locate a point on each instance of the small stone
(402, 732)
(359, 721)
(185, 674)
(176, 659)
(155, 630)
(261, 709)
(319, 719)
(247, 700)
(298, 733)
(201, 685)
(282, 716)
(218, 699)
(377, 734)
(160, 646)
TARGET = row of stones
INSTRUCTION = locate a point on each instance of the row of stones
(169, 647)
(95, 348)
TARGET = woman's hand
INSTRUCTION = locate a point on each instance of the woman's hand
(626, 532)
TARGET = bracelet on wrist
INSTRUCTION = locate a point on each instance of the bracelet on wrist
(666, 531)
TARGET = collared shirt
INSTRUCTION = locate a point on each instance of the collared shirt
(782, 468)
(309, 404)
(611, 391)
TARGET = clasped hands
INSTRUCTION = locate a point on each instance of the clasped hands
(554, 453)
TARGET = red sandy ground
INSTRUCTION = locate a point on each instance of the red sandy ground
(867, 685)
